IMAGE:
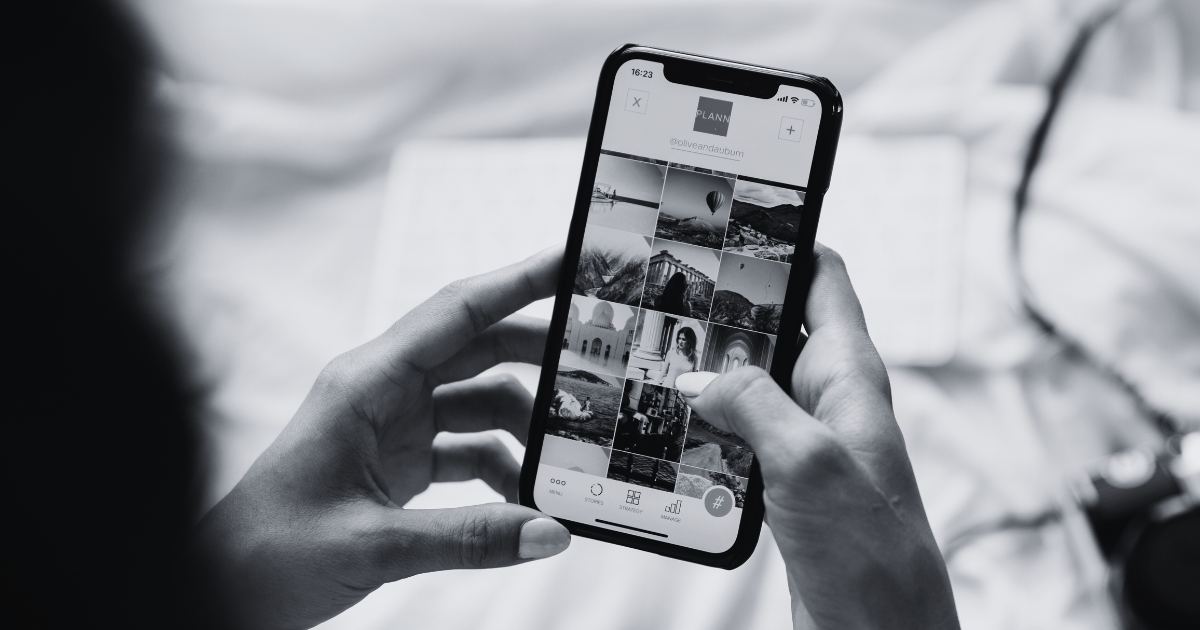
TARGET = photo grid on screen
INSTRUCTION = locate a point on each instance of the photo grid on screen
(682, 269)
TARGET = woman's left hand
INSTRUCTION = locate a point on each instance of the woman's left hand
(316, 524)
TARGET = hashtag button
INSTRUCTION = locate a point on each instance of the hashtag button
(718, 501)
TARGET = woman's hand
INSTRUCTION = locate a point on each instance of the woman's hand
(840, 494)
(316, 524)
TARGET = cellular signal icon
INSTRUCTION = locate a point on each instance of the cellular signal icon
(782, 98)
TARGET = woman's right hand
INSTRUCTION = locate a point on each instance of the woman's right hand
(841, 498)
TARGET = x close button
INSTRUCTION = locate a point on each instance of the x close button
(637, 101)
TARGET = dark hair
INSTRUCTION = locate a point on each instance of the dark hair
(102, 460)
(674, 296)
(690, 335)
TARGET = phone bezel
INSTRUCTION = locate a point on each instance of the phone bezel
(737, 78)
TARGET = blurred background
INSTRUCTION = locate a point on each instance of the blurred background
(336, 162)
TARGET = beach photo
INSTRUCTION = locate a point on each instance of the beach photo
(712, 449)
(584, 407)
(665, 346)
(626, 195)
(598, 336)
(612, 265)
(750, 293)
(694, 482)
(765, 221)
(695, 208)
(652, 421)
(727, 349)
(680, 279)
(642, 471)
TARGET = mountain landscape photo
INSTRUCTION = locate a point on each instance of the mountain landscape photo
(768, 233)
(764, 221)
(612, 266)
(731, 309)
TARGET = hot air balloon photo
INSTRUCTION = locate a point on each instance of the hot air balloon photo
(695, 208)
(714, 200)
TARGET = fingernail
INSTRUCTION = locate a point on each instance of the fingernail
(542, 538)
(691, 384)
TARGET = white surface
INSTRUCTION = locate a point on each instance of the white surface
(894, 212)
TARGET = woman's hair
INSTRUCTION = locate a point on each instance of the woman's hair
(690, 335)
(674, 295)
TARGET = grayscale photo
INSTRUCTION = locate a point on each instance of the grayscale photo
(695, 208)
(665, 346)
(694, 482)
(626, 194)
(584, 407)
(750, 293)
(598, 336)
(652, 421)
(730, 348)
(765, 221)
(712, 449)
(681, 279)
(644, 471)
(612, 265)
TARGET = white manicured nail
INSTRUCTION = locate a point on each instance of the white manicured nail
(691, 384)
(542, 538)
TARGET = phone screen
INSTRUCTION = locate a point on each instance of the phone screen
(690, 236)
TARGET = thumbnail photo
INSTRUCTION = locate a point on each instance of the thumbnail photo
(712, 449)
(750, 293)
(695, 208)
(680, 280)
(652, 421)
(729, 348)
(612, 265)
(693, 482)
(665, 346)
(765, 221)
(598, 336)
(626, 195)
(572, 455)
(642, 470)
(584, 407)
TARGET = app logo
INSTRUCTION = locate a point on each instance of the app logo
(712, 116)
(718, 501)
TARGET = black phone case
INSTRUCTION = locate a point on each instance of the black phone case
(726, 76)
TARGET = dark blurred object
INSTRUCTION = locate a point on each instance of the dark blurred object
(1144, 509)
(100, 463)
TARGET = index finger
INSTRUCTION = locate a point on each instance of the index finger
(831, 297)
(442, 325)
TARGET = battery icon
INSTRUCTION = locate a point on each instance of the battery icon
(807, 102)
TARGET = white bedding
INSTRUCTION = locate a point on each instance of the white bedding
(288, 112)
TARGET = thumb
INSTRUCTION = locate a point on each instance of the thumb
(476, 537)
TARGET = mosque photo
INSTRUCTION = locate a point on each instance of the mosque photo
(730, 348)
(680, 279)
(612, 265)
(598, 336)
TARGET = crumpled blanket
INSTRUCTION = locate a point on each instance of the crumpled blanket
(287, 112)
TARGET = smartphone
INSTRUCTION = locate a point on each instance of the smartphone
(689, 250)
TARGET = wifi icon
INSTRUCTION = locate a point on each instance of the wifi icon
(795, 98)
